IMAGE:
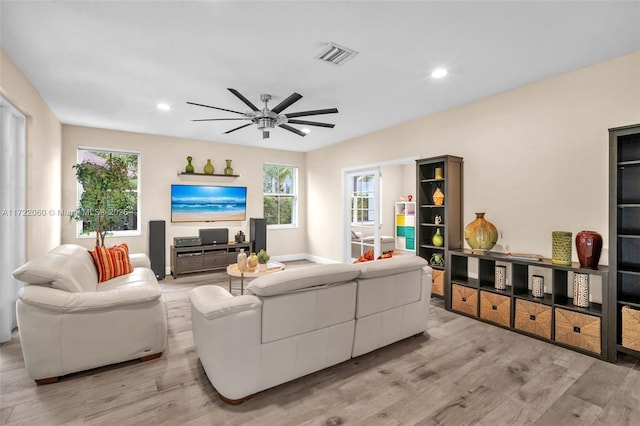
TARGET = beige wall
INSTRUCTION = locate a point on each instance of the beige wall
(161, 160)
(535, 158)
(43, 158)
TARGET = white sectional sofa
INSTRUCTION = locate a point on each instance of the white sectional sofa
(299, 321)
(68, 322)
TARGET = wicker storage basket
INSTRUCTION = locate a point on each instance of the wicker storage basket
(495, 308)
(438, 282)
(579, 330)
(631, 328)
(534, 318)
(464, 299)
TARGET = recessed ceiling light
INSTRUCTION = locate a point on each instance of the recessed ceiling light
(439, 73)
(305, 130)
(163, 106)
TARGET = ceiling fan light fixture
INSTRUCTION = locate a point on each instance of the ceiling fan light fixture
(336, 54)
(265, 122)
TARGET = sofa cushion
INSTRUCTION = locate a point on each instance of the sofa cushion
(212, 302)
(391, 266)
(301, 312)
(67, 267)
(137, 277)
(111, 262)
(302, 278)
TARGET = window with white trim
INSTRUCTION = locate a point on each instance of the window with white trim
(280, 195)
(127, 221)
(363, 201)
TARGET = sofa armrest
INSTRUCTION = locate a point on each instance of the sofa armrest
(55, 300)
(140, 260)
(213, 301)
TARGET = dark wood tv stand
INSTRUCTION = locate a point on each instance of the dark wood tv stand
(185, 260)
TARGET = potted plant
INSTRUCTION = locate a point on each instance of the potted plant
(107, 197)
(263, 258)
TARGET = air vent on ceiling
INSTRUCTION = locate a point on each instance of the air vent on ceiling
(336, 54)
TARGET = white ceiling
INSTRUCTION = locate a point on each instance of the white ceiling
(107, 64)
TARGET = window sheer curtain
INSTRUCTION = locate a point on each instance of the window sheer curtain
(12, 216)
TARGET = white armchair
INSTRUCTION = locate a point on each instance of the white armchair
(68, 322)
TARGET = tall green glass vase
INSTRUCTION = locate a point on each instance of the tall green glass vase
(189, 168)
(228, 170)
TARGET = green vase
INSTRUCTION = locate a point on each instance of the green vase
(228, 170)
(437, 239)
(208, 168)
(189, 168)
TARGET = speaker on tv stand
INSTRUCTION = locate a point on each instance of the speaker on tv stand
(258, 233)
(157, 247)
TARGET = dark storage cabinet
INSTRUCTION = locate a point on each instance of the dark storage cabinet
(624, 238)
(205, 258)
(553, 317)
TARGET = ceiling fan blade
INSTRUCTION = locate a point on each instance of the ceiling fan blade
(311, 123)
(243, 99)
(221, 109)
(292, 129)
(294, 97)
(314, 112)
(220, 119)
(237, 128)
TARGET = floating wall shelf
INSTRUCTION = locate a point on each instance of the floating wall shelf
(208, 175)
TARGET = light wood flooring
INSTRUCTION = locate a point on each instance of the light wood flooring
(461, 372)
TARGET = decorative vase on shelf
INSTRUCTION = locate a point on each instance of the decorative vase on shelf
(437, 239)
(581, 289)
(189, 168)
(208, 168)
(437, 260)
(537, 286)
(561, 248)
(438, 197)
(589, 247)
(481, 234)
(228, 170)
(438, 173)
(500, 282)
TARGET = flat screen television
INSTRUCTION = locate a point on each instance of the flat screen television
(205, 203)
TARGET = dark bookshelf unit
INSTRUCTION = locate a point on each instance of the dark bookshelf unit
(553, 318)
(449, 181)
(624, 239)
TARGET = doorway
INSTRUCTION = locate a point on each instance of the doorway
(362, 214)
(368, 212)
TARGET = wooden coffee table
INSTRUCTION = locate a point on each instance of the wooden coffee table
(233, 271)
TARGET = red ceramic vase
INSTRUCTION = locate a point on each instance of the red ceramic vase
(589, 246)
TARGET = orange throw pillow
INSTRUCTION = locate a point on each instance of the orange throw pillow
(367, 256)
(111, 262)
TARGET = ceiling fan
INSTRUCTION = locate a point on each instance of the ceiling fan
(267, 118)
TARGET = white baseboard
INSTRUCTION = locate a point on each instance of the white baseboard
(302, 256)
